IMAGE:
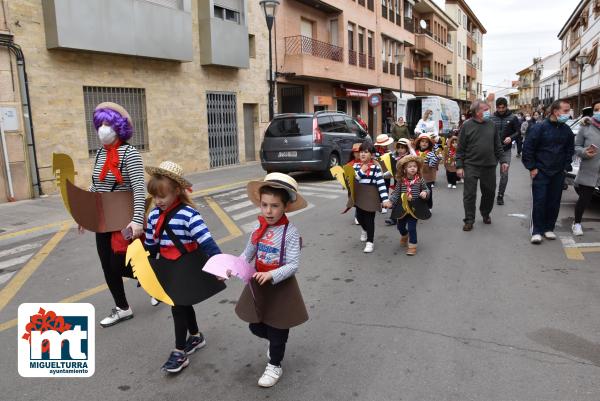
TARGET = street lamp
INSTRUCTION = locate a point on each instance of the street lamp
(270, 7)
(582, 60)
(399, 61)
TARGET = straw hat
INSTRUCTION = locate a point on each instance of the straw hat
(115, 107)
(170, 170)
(407, 159)
(356, 147)
(277, 180)
(383, 140)
(429, 137)
(452, 139)
(405, 142)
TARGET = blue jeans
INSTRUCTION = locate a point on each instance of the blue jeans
(408, 225)
(547, 192)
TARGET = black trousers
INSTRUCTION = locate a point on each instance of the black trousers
(367, 222)
(487, 182)
(430, 198)
(184, 319)
(519, 142)
(113, 266)
(585, 198)
(277, 340)
(452, 177)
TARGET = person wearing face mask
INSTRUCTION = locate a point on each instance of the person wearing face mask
(118, 167)
(478, 153)
(426, 125)
(587, 147)
(547, 153)
(509, 130)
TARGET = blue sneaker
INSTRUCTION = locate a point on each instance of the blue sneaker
(194, 343)
(176, 362)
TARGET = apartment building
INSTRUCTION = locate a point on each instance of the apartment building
(579, 37)
(335, 54)
(190, 72)
(533, 81)
(467, 42)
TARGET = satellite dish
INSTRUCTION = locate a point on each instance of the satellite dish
(423, 24)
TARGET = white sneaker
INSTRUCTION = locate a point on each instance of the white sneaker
(449, 185)
(536, 239)
(154, 301)
(453, 186)
(432, 185)
(116, 315)
(577, 229)
(384, 210)
(363, 236)
(271, 376)
(368, 247)
(356, 222)
(549, 235)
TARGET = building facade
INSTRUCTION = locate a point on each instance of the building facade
(580, 36)
(193, 99)
(467, 68)
(334, 54)
(535, 81)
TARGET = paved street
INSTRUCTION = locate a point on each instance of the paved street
(474, 316)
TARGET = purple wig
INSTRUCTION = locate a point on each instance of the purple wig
(120, 124)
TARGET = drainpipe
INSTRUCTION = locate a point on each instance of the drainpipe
(6, 40)
(11, 191)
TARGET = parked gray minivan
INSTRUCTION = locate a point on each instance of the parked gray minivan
(309, 142)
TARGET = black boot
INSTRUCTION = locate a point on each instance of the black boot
(500, 200)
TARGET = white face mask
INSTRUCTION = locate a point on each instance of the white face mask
(106, 134)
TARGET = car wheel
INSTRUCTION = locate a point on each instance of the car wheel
(334, 160)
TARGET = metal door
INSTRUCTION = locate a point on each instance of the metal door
(249, 117)
(222, 129)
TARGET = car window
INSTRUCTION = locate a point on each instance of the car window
(339, 125)
(353, 127)
(325, 124)
(289, 126)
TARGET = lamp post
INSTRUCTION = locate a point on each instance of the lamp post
(582, 60)
(270, 7)
(399, 61)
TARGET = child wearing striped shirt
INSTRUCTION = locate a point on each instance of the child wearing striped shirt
(428, 150)
(170, 193)
(367, 175)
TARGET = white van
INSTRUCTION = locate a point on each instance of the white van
(445, 112)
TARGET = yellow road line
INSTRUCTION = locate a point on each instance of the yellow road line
(32, 230)
(233, 229)
(576, 253)
(14, 285)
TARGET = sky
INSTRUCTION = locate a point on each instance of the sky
(517, 31)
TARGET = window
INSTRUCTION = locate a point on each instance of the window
(465, 21)
(371, 5)
(252, 46)
(167, 3)
(459, 49)
(361, 40)
(132, 99)
(370, 44)
(350, 36)
(384, 8)
(227, 14)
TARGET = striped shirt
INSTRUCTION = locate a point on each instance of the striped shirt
(132, 170)
(187, 224)
(415, 189)
(373, 176)
(268, 251)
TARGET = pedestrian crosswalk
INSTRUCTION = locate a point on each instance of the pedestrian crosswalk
(12, 259)
(243, 212)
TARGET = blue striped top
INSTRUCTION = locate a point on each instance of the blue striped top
(373, 177)
(187, 224)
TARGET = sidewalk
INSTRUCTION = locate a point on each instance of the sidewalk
(27, 214)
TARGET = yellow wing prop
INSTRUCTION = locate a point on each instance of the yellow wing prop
(338, 173)
(406, 205)
(349, 175)
(63, 168)
(386, 159)
(138, 257)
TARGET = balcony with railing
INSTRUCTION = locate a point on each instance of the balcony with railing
(385, 67)
(409, 73)
(308, 46)
(426, 83)
(371, 62)
(362, 60)
(425, 43)
(352, 56)
(409, 24)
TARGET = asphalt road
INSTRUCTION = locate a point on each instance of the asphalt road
(474, 316)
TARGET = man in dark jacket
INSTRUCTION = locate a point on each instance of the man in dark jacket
(547, 153)
(509, 129)
(478, 153)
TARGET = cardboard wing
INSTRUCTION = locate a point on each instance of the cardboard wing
(349, 176)
(137, 256)
(100, 212)
(64, 170)
(386, 162)
(338, 173)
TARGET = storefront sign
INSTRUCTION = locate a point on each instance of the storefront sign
(356, 93)
(374, 91)
(374, 100)
(322, 100)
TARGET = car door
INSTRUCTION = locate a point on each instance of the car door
(343, 139)
(356, 132)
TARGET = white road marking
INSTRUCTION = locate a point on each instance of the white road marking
(15, 261)
(20, 249)
(519, 215)
(228, 193)
(237, 206)
(244, 196)
(247, 213)
(320, 195)
(308, 207)
(6, 276)
(321, 189)
(249, 227)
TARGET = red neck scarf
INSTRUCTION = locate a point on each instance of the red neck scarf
(161, 218)
(369, 165)
(260, 231)
(112, 162)
(451, 151)
(408, 184)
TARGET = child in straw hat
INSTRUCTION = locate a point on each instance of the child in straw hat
(271, 303)
(412, 186)
(426, 150)
(174, 228)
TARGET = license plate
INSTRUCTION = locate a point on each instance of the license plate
(282, 155)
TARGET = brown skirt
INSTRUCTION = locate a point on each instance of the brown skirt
(450, 167)
(280, 305)
(429, 173)
(366, 197)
